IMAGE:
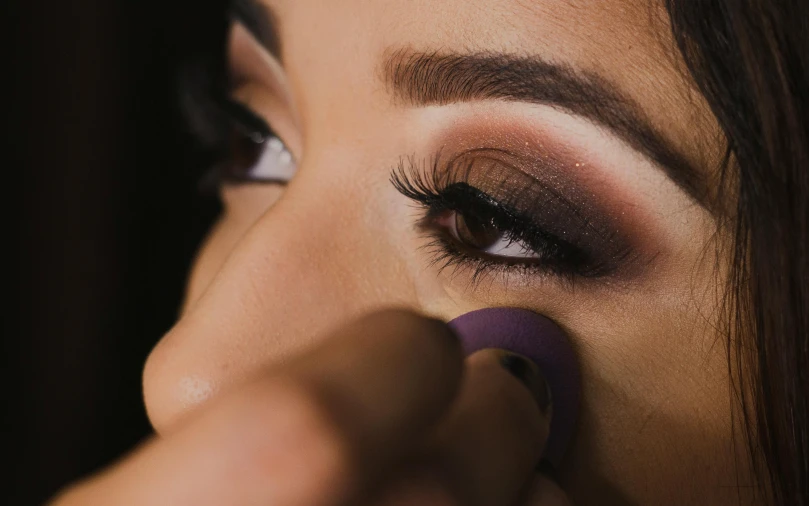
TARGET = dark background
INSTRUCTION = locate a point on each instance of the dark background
(104, 217)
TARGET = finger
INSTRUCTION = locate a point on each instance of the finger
(544, 492)
(313, 432)
(488, 448)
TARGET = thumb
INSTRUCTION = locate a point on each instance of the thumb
(544, 492)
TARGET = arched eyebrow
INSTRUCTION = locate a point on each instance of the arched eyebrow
(432, 78)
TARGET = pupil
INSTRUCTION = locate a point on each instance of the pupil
(244, 154)
(476, 232)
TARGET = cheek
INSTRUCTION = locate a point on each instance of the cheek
(656, 418)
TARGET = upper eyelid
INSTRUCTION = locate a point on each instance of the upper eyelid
(254, 71)
(246, 54)
(418, 78)
(476, 155)
(262, 23)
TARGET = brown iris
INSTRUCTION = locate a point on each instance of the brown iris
(475, 232)
(246, 139)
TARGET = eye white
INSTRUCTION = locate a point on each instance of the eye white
(275, 163)
(504, 247)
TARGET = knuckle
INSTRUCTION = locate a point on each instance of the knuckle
(84, 493)
(71, 495)
(302, 444)
(413, 325)
(544, 491)
(428, 337)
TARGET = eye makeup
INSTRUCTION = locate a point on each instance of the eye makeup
(493, 200)
(514, 194)
(547, 225)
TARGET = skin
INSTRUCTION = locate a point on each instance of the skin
(286, 266)
(290, 437)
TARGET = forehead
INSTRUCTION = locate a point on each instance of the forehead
(626, 42)
(597, 35)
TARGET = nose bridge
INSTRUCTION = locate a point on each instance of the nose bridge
(307, 264)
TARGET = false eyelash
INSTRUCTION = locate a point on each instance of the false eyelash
(437, 188)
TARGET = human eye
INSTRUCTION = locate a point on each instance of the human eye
(477, 226)
(253, 152)
(242, 123)
(481, 213)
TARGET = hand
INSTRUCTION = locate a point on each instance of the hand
(379, 414)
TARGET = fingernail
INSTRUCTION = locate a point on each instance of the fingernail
(528, 373)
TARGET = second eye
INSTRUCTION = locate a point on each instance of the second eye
(255, 153)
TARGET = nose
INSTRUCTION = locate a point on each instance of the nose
(318, 257)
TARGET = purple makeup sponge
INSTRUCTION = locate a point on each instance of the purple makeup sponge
(539, 339)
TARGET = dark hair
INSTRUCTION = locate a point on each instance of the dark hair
(750, 59)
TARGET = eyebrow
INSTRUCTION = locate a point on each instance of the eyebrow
(260, 20)
(421, 79)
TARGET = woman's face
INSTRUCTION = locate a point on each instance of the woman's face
(554, 156)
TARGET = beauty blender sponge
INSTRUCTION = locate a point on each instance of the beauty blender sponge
(539, 339)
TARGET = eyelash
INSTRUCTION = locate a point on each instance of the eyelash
(250, 152)
(437, 189)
